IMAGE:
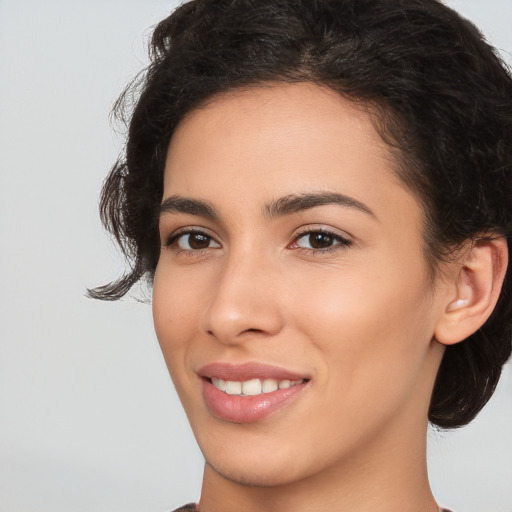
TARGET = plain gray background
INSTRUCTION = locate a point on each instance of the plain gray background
(88, 417)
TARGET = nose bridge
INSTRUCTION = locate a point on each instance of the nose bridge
(244, 298)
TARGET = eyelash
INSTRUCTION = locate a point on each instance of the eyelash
(172, 240)
(340, 241)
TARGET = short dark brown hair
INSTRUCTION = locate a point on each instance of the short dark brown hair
(440, 96)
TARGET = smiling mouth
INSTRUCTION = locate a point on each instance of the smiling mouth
(249, 392)
(253, 387)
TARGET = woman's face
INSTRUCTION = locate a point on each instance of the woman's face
(292, 300)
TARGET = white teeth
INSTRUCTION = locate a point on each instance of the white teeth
(269, 385)
(219, 383)
(284, 384)
(252, 387)
(233, 387)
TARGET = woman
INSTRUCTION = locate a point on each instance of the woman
(319, 193)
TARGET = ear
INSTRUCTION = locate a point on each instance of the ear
(474, 286)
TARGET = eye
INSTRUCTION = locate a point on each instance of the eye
(192, 241)
(319, 240)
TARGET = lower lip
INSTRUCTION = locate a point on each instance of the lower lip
(247, 409)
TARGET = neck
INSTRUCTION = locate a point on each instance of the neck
(388, 476)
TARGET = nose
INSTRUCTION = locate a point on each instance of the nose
(244, 301)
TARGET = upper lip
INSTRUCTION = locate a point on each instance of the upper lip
(247, 371)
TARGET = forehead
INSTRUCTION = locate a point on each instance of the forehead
(257, 144)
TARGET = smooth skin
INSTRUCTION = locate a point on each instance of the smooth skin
(339, 292)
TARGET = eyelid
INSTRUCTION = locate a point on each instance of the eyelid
(185, 230)
(322, 228)
(344, 239)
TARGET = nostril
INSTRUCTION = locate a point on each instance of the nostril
(232, 319)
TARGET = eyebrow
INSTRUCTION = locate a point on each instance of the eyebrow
(299, 202)
(180, 204)
(285, 205)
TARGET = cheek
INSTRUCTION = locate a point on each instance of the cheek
(175, 314)
(371, 327)
(372, 356)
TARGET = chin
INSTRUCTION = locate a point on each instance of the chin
(261, 462)
(247, 473)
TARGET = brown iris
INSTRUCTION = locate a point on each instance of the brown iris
(320, 240)
(198, 241)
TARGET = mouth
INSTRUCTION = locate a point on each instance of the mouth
(253, 387)
(249, 392)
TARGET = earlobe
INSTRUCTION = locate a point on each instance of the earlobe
(477, 278)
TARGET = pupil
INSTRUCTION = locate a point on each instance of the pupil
(320, 240)
(199, 241)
